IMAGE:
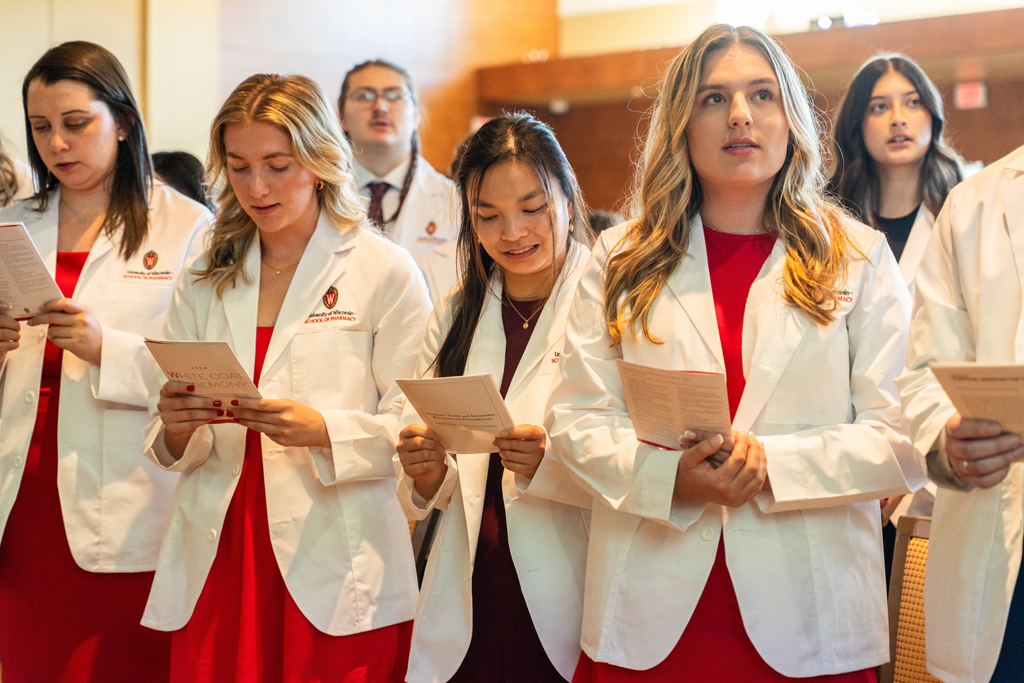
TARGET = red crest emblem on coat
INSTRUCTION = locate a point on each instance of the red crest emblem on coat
(432, 228)
(149, 260)
(331, 297)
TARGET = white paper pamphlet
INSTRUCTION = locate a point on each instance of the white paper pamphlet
(990, 392)
(25, 283)
(210, 366)
(467, 413)
(663, 404)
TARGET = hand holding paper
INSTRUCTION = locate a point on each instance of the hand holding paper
(466, 413)
(25, 283)
(423, 459)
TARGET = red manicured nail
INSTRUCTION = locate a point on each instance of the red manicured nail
(234, 402)
(216, 404)
(219, 413)
(190, 387)
(230, 414)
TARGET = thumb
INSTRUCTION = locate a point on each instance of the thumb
(694, 455)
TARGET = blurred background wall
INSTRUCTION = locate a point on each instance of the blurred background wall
(588, 67)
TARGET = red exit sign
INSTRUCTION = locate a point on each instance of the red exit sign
(971, 95)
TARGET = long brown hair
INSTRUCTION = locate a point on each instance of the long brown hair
(855, 181)
(297, 106)
(414, 154)
(127, 218)
(512, 137)
(667, 196)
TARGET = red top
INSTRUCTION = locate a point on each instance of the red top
(246, 627)
(59, 622)
(714, 645)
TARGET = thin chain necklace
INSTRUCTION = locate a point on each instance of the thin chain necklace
(526, 320)
(278, 270)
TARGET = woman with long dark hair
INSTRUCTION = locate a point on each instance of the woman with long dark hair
(894, 170)
(287, 557)
(502, 596)
(82, 513)
(736, 557)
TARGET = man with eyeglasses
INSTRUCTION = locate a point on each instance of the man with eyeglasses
(409, 201)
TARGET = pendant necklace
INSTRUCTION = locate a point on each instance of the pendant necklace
(526, 320)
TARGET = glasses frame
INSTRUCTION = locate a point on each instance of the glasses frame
(368, 97)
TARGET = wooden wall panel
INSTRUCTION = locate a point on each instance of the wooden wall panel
(441, 42)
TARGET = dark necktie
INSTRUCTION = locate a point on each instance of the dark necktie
(377, 192)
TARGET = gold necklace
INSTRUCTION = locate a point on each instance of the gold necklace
(526, 321)
(278, 270)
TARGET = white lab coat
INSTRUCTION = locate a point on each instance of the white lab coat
(114, 501)
(968, 307)
(341, 541)
(547, 516)
(440, 268)
(805, 558)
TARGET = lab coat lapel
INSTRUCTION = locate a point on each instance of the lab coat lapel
(42, 228)
(241, 303)
(319, 267)
(772, 330)
(915, 245)
(691, 285)
(487, 355)
(1013, 206)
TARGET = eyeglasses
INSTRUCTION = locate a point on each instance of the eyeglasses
(367, 97)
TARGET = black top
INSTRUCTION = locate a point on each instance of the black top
(897, 230)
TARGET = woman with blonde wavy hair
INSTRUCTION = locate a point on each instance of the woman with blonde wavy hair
(287, 556)
(735, 557)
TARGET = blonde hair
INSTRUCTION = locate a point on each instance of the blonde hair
(667, 195)
(8, 178)
(297, 106)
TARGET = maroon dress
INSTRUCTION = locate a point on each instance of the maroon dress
(246, 627)
(59, 622)
(714, 645)
(504, 647)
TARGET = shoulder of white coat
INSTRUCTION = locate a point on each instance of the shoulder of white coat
(434, 179)
(377, 251)
(864, 239)
(16, 211)
(173, 211)
(610, 241)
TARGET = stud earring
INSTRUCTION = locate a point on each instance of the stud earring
(120, 138)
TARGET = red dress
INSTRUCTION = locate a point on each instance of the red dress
(247, 628)
(714, 645)
(59, 622)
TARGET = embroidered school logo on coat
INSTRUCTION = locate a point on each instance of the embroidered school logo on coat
(150, 259)
(331, 297)
(432, 228)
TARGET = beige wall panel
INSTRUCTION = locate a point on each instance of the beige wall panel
(634, 29)
(24, 36)
(182, 73)
(440, 42)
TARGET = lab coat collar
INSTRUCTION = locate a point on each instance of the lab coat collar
(319, 265)
(395, 177)
(916, 242)
(43, 226)
(1013, 206)
(690, 282)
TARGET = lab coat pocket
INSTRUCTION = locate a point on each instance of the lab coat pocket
(329, 369)
(135, 307)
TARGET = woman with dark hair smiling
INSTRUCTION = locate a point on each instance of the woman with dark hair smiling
(82, 513)
(502, 596)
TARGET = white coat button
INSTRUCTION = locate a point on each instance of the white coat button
(211, 536)
(18, 462)
(30, 396)
(236, 470)
(707, 533)
(717, 368)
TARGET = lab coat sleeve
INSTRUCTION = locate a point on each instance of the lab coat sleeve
(588, 422)
(868, 458)
(412, 504)
(941, 330)
(126, 367)
(553, 481)
(180, 325)
(362, 443)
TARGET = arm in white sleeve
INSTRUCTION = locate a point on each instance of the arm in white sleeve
(589, 425)
(362, 444)
(870, 457)
(126, 367)
(941, 330)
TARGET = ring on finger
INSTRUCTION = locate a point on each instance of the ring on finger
(965, 464)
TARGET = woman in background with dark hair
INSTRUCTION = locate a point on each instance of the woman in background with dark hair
(894, 169)
(515, 524)
(409, 201)
(184, 173)
(81, 512)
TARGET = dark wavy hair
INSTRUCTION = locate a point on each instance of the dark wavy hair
(855, 181)
(510, 137)
(127, 219)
